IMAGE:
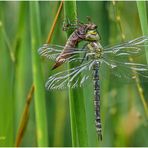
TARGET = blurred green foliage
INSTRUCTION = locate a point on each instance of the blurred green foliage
(123, 117)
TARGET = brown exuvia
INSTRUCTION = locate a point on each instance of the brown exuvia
(78, 35)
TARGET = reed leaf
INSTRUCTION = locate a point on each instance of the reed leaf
(76, 99)
(39, 94)
(6, 89)
(142, 11)
(22, 52)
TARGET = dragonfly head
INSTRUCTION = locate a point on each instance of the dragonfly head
(92, 35)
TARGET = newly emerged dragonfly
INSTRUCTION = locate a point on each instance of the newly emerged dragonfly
(91, 58)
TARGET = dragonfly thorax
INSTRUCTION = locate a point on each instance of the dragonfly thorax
(94, 50)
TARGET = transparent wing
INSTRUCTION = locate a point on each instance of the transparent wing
(70, 78)
(51, 52)
(126, 71)
(128, 49)
(131, 48)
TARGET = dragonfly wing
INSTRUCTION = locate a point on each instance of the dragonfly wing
(51, 52)
(131, 48)
(127, 71)
(70, 78)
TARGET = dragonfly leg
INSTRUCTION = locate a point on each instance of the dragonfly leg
(88, 19)
(68, 24)
(84, 57)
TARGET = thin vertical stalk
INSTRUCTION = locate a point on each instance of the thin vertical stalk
(76, 99)
(54, 23)
(39, 94)
(24, 119)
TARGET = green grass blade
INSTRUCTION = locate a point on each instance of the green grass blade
(141, 5)
(6, 89)
(39, 95)
(76, 99)
(142, 10)
(22, 73)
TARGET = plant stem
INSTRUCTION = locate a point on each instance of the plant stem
(143, 19)
(54, 23)
(25, 117)
(141, 5)
(76, 99)
(39, 94)
(6, 88)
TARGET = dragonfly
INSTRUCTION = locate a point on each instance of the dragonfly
(89, 59)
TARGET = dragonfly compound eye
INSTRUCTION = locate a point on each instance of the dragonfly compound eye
(92, 35)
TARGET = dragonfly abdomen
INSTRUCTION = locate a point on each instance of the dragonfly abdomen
(97, 100)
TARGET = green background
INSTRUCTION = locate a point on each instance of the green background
(24, 27)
